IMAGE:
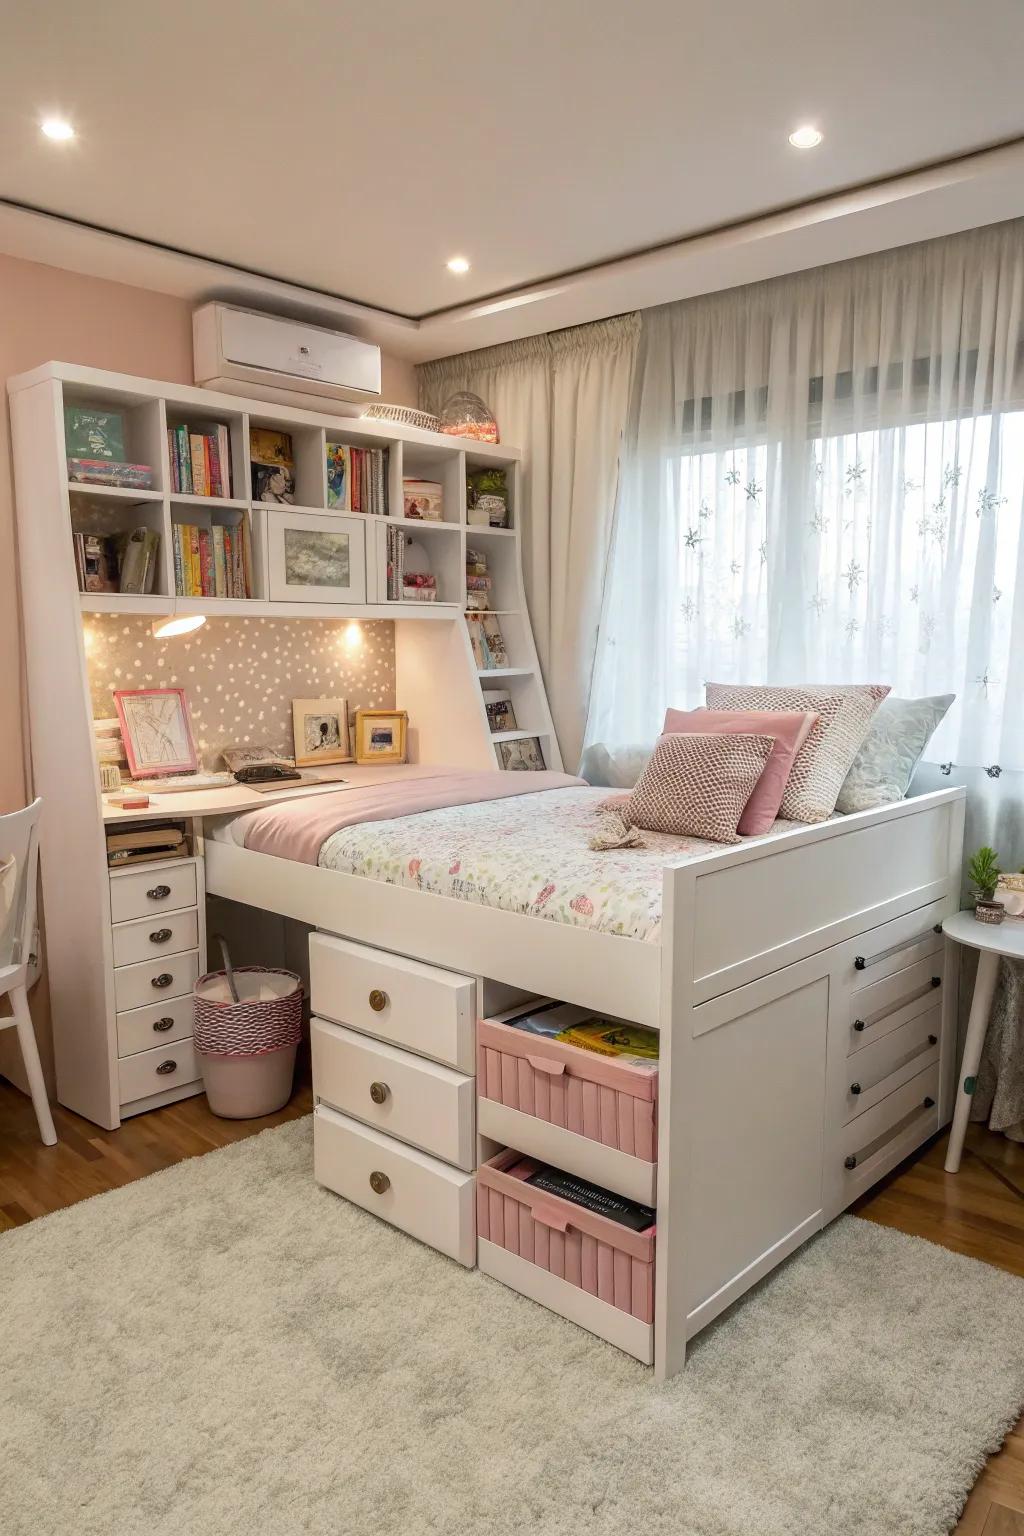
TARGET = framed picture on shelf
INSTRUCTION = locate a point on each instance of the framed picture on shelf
(156, 731)
(520, 756)
(320, 731)
(315, 557)
(501, 715)
(380, 735)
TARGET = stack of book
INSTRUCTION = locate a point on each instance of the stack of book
(357, 479)
(478, 582)
(410, 586)
(213, 562)
(117, 562)
(94, 441)
(200, 460)
(138, 845)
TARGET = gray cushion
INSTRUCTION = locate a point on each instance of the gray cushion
(892, 749)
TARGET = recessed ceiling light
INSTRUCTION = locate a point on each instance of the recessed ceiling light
(807, 137)
(57, 128)
(459, 265)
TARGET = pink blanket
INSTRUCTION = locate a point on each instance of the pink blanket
(298, 829)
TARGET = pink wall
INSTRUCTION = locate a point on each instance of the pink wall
(47, 314)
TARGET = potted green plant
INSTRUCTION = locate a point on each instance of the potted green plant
(983, 872)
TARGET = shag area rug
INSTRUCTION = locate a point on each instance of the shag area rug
(225, 1348)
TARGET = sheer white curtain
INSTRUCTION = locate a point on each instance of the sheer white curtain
(823, 480)
(563, 398)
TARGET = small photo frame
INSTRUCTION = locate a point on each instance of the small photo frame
(156, 731)
(380, 735)
(320, 732)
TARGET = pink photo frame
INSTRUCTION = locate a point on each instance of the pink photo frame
(156, 731)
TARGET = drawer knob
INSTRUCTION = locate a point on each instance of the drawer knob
(167, 1066)
(859, 962)
(933, 1039)
(859, 1025)
(379, 1092)
(159, 893)
(850, 1162)
(936, 981)
(855, 1088)
(378, 1000)
(163, 980)
(929, 1103)
(163, 1025)
(379, 1182)
(160, 936)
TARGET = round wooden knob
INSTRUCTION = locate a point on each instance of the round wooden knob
(379, 1092)
(379, 1182)
(378, 1000)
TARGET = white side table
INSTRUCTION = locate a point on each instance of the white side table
(992, 940)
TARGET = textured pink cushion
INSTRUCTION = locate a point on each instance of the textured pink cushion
(697, 785)
(790, 729)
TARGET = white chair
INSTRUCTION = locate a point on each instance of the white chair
(19, 853)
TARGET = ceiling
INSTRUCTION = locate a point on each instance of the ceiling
(354, 148)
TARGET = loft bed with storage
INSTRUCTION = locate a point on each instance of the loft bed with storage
(799, 983)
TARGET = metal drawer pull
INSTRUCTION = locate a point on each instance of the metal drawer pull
(933, 1039)
(901, 1002)
(895, 1066)
(379, 1182)
(167, 1066)
(853, 1160)
(860, 1025)
(160, 936)
(379, 1092)
(159, 892)
(378, 1000)
(163, 980)
(862, 963)
(163, 1025)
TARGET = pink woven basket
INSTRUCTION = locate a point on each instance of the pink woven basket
(253, 1026)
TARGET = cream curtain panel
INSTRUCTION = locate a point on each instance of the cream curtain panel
(564, 398)
(823, 480)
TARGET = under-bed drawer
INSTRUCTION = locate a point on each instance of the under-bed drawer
(407, 1096)
(885, 1065)
(419, 1007)
(913, 1108)
(168, 1066)
(883, 1006)
(892, 946)
(149, 936)
(421, 1195)
(155, 980)
(148, 892)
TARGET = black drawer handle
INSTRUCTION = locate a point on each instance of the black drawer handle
(860, 1025)
(163, 980)
(929, 1103)
(861, 962)
(167, 1066)
(936, 981)
(163, 1025)
(160, 936)
(159, 892)
(933, 1039)
(855, 1088)
(850, 1162)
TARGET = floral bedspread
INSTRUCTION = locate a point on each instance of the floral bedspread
(528, 855)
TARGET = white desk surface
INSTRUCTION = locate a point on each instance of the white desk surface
(1005, 938)
(235, 798)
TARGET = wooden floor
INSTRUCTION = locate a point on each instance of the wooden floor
(979, 1212)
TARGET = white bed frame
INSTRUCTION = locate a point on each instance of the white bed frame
(753, 987)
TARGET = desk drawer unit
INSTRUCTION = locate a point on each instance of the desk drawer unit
(155, 980)
(421, 1008)
(148, 892)
(168, 1066)
(430, 1106)
(168, 934)
(142, 1029)
(420, 1194)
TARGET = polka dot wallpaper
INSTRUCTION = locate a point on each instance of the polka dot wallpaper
(241, 675)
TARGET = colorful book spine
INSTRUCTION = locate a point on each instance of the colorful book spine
(224, 459)
(196, 575)
(179, 573)
(220, 569)
(184, 460)
(207, 584)
(247, 582)
(197, 454)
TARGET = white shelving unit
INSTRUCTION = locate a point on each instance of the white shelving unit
(437, 679)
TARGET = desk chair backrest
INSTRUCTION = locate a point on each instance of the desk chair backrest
(19, 853)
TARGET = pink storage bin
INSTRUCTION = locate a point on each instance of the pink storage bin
(599, 1097)
(600, 1256)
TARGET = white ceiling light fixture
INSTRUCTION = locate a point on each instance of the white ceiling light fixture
(57, 128)
(806, 137)
(459, 265)
(177, 624)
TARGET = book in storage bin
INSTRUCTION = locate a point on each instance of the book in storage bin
(593, 1114)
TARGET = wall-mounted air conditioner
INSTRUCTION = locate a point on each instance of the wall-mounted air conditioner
(243, 352)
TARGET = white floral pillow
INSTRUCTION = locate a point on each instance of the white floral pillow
(826, 757)
(892, 749)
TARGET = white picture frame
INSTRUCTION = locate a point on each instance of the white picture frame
(315, 557)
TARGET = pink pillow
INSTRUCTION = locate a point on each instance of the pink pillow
(790, 729)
